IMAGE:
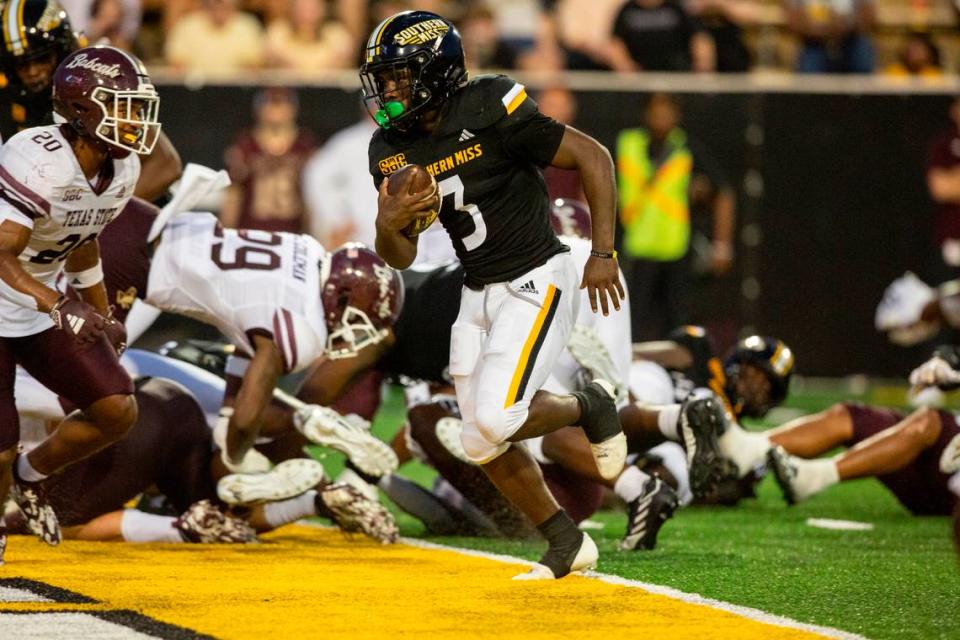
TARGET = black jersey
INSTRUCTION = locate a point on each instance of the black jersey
(706, 369)
(430, 306)
(21, 110)
(487, 154)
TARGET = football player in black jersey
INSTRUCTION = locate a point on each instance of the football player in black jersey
(485, 142)
(37, 36)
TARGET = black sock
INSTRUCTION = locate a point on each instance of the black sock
(598, 417)
(564, 538)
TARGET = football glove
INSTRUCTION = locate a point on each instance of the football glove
(79, 319)
(939, 371)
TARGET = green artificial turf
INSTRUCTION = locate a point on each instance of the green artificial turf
(900, 580)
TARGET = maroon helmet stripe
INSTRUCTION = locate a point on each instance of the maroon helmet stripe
(43, 207)
(291, 338)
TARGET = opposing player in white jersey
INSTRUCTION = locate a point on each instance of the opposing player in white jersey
(283, 301)
(59, 186)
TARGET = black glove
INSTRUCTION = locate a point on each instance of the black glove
(79, 319)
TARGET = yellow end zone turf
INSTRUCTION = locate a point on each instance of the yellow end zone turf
(303, 582)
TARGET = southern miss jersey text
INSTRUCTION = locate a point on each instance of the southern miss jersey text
(486, 153)
(245, 283)
(43, 188)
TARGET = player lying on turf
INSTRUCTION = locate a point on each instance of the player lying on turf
(169, 452)
(916, 456)
(904, 452)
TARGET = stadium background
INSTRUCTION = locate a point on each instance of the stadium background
(829, 172)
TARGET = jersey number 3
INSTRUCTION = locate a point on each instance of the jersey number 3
(453, 186)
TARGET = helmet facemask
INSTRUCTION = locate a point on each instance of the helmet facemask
(123, 110)
(388, 84)
(353, 333)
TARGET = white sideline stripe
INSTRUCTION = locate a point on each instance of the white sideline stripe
(692, 598)
(64, 626)
(12, 594)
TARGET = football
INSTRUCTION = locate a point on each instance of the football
(414, 179)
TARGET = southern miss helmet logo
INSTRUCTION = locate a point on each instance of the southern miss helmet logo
(82, 60)
(422, 32)
(51, 18)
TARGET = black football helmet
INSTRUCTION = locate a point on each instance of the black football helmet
(770, 355)
(413, 61)
(33, 29)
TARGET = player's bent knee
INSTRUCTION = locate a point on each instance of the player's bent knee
(114, 415)
(840, 410)
(479, 449)
(497, 424)
(924, 424)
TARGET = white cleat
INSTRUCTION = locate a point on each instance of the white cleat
(610, 456)
(287, 480)
(352, 478)
(585, 560)
(326, 427)
(449, 430)
(590, 353)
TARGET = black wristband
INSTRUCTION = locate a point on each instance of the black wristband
(603, 254)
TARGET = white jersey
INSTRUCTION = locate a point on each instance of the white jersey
(42, 187)
(245, 283)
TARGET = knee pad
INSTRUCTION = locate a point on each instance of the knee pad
(478, 448)
(496, 424)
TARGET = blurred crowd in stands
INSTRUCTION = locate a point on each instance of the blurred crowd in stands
(208, 37)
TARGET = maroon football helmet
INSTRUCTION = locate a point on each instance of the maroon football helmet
(362, 297)
(570, 218)
(106, 95)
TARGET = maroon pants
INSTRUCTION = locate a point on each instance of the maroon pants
(82, 374)
(920, 486)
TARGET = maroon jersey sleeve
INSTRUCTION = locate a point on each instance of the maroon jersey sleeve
(125, 254)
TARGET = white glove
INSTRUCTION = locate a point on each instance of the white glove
(252, 462)
(903, 303)
(935, 372)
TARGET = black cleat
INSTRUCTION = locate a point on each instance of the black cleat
(778, 461)
(38, 515)
(648, 512)
(702, 421)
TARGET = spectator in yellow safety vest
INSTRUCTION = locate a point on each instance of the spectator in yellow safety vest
(656, 167)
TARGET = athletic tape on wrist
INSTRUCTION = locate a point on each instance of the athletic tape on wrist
(86, 278)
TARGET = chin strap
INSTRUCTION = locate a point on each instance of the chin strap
(390, 111)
